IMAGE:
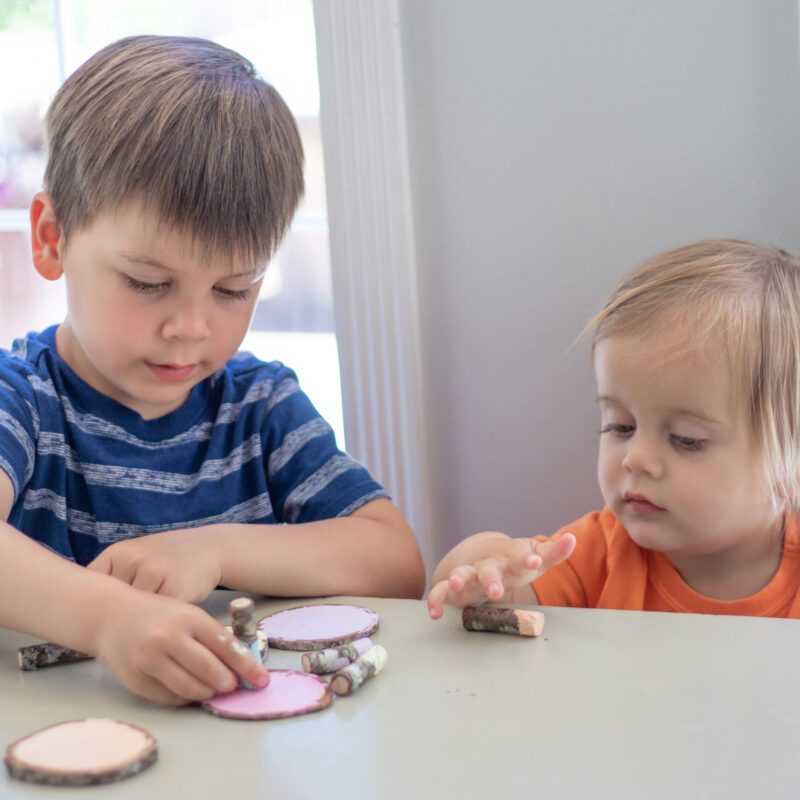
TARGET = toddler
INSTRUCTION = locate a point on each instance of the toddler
(697, 363)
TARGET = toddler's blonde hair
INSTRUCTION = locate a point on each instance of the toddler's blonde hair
(746, 296)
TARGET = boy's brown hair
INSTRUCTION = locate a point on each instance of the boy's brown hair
(747, 297)
(188, 129)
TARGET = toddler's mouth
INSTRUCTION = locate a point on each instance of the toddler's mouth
(641, 504)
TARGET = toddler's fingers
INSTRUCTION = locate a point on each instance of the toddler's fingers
(460, 577)
(491, 579)
(436, 598)
(522, 567)
(554, 550)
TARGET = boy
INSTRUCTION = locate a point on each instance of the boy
(133, 439)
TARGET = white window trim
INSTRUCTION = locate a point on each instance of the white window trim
(374, 265)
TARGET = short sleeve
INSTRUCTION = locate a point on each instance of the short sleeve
(578, 581)
(309, 478)
(18, 421)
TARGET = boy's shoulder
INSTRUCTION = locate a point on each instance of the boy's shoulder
(28, 358)
(245, 370)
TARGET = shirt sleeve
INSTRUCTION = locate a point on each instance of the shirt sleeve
(309, 478)
(18, 422)
(578, 581)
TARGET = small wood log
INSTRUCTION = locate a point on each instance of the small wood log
(496, 619)
(36, 656)
(347, 680)
(245, 629)
(332, 659)
(242, 620)
(83, 752)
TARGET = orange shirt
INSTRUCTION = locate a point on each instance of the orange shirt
(609, 570)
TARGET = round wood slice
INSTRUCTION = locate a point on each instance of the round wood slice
(288, 694)
(82, 753)
(316, 627)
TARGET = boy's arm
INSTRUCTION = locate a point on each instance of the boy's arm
(371, 552)
(159, 647)
(493, 566)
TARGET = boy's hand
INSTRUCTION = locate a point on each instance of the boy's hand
(172, 652)
(182, 564)
(490, 566)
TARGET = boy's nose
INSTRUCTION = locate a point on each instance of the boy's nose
(187, 321)
(642, 457)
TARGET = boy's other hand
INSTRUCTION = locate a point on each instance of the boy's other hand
(493, 566)
(172, 652)
(181, 563)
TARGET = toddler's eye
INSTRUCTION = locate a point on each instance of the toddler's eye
(232, 294)
(618, 429)
(688, 442)
(142, 286)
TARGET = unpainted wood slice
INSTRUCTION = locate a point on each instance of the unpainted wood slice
(315, 627)
(82, 752)
(288, 694)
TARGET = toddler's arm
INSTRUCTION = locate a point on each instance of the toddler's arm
(159, 647)
(493, 566)
(372, 552)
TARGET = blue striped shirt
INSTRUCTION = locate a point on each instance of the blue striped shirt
(246, 446)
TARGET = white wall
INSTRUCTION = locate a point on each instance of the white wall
(554, 145)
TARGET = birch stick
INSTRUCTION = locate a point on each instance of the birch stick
(496, 619)
(347, 680)
(46, 654)
(245, 629)
(333, 659)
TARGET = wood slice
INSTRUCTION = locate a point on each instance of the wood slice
(288, 694)
(316, 627)
(82, 752)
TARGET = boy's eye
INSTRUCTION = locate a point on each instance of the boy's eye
(688, 442)
(144, 286)
(618, 429)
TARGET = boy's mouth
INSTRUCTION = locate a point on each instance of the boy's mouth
(172, 372)
(641, 504)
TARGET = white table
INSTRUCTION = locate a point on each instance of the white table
(612, 704)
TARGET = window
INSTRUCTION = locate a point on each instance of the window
(294, 317)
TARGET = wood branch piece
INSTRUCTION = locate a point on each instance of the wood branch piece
(497, 619)
(347, 680)
(315, 627)
(36, 656)
(82, 753)
(245, 629)
(288, 694)
(332, 659)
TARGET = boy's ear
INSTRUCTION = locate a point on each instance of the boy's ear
(47, 238)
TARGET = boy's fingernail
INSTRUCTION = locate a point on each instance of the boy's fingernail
(262, 680)
(495, 589)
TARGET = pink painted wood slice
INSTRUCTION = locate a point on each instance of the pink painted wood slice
(288, 694)
(81, 753)
(315, 627)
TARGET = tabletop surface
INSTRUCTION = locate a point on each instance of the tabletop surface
(603, 704)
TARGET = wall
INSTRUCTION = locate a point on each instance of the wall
(552, 147)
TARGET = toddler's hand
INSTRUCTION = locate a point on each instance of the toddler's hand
(180, 563)
(492, 567)
(172, 652)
